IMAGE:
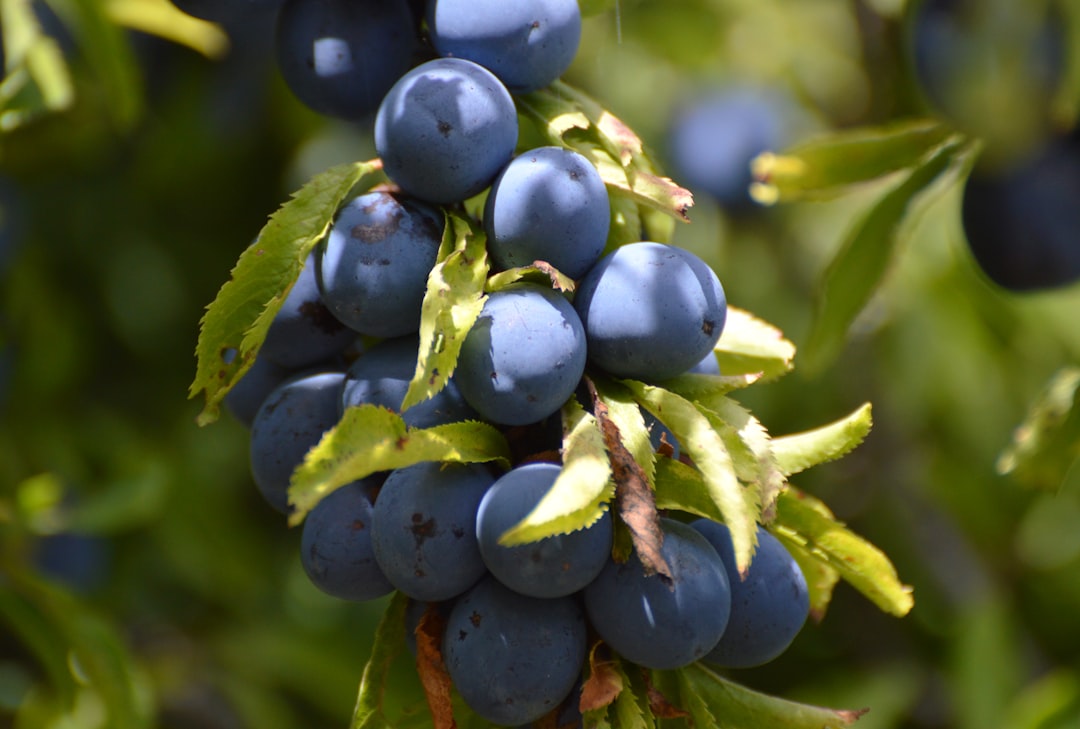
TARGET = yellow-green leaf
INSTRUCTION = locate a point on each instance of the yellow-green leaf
(539, 272)
(369, 439)
(453, 300)
(235, 324)
(807, 522)
(751, 346)
(1047, 444)
(797, 452)
(163, 19)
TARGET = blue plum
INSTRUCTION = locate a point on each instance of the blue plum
(1021, 223)
(340, 57)
(445, 130)
(304, 331)
(653, 624)
(523, 357)
(381, 376)
(650, 311)
(372, 269)
(513, 658)
(713, 138)
(425, 529)
(548, 204)
(552, 567)
(335, 546)
(291, 420)
(245, 397)
(527, 44)
(768, 607)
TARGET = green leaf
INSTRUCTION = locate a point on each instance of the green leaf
(369, 439)
(807, 522)
(452, 302)
(370, 711)
(596, 7)
(740, 708)
(582, 489)
(797, 452)
(751, 346)
(859, 267)
(36, 77)
(701, 442)
(163, 19)
(1047, 444)
(696, 703)
(631, 708)
(235, 324)
(830, 165)
(682, 488)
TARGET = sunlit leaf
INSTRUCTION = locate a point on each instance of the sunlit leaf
(582, 489)
(829, 165)
(681, 487)
(539, 272)
(389, 644)
(805, 521)
(236, 322)
(369, 439)
(1047, 444)
(623, 411)
(750, 346)
(701, 442)
(453, 300)
(797, 452)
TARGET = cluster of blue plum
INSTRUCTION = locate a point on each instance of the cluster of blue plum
(341, 57)
(994, 68)
(517, 618)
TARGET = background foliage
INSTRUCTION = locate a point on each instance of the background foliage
(143, 581)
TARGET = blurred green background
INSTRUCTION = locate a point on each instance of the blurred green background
(144, 582)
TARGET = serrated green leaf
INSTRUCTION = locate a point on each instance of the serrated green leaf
(707, 449)
(582, 489)
(540, 272)
(389, 644)
(452, 302)
(830, 165)
(694, 702)
(163, 19)
(682, 488)
(864, 257)
(807, 522)
(236, 322)
(1047, 444)
(821, 578)
(797, 452)
(751, 346)
(369, 439)
(756, 464)
(631, 708)
(740, 708)
(698, 387)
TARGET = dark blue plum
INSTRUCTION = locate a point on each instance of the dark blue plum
(445, 130)
(708, 365)
(524, 356)
(548, 204)
(650, 311)
(247, 395)
(381, 376)
(714, 137)
(291, 420)
(653, 624)
(304, 331)
(224, 11)
(526, 43)
(552, 567)
(1022, 224)
(80, 562)
(335, 546)
(340, 57)
(768, 607)
(513, 658)
(372, 269)
(425, 529)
